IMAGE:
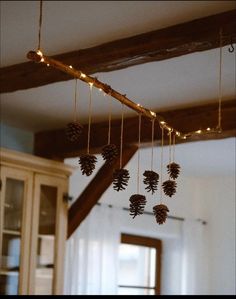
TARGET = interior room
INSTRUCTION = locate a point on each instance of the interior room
(117, 148)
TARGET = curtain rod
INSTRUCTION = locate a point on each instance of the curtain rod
(151, 214)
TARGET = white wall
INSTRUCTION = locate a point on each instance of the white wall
(206, 190)
(217, 204)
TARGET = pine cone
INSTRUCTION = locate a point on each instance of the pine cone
(169, 187)
(137, 204)
(151, 180)
(120, 179)
(73, 131)
(87, 164)
(109, 153)
(160, 212)
(173, 169)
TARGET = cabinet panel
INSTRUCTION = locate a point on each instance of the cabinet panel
(14, 226)
(49, 213)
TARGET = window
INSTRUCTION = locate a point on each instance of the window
(139, 270)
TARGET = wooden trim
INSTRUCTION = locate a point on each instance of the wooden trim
(33, 163)
(181, 39)
(184, 119)
(92, 193)
(147, 242)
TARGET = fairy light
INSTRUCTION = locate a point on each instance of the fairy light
(82, 75)
(199, 131)
(153, 113)
(48, 64)
(208, 129)
(39, 53)
(70, 66)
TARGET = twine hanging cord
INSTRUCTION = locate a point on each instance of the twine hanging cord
(90, 112)
(220, 86)
(121, 135)
(153, 123)
(75, 101)
(40, 24)
(109, 123)
(162, 144)
(139, 139)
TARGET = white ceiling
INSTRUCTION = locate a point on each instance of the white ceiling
(72, 25)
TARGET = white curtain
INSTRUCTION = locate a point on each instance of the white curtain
(194, 259)
(91, 255)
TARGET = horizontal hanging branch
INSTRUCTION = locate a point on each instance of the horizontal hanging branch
(39, 57)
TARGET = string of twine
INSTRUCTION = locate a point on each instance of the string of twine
(90, 110)
(173, 149)
(161, 174)
(121, 135)
(153, 122)
(139, 139)
(75, 101)
(220, 84)
(170, 146)
(109, 123)
(40, 24)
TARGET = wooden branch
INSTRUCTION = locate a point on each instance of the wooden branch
(197, 35)
(184, 119)
(91, 195)
(68, 69)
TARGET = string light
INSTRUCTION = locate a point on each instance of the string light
(70, 66)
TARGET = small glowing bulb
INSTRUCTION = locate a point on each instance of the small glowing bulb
(83, 75)
(91, 84)
(185, 137)
(169, 129)
(178, 133)
(39, 53)
(100, 89)
(48, 64)
(199, 131)
(153, 113)
(70, 66)
(208, 129)
(138, 105)
(42, 59)
(162, 122)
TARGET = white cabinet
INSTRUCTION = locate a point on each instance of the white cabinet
(33, 224)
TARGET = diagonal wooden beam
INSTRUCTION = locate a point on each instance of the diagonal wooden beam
(91, 195)
(184, 120)
(197, 35)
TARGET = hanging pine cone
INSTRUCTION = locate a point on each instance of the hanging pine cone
(87, 164)
(73, 131)
(151, 180)
(173, 169)
(160, 212)
(137, 204)
(120, 179)
(109, 153)
(169, 187)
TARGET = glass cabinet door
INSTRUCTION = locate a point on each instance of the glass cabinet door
(15, 191)
(48, 214)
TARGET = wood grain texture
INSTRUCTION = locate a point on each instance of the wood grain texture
(92, 193)
(184, 119)
(181, 39)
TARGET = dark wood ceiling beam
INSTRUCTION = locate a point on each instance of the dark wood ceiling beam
(53, 144)
(197, 35)
(93, 192)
